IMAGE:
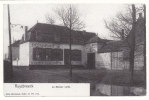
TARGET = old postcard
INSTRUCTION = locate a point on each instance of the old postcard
(74, 49)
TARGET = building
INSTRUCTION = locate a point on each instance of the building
(116, 54)
(48, 45)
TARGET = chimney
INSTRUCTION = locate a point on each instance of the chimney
(23, 38)
(123, 34)
(26, 28)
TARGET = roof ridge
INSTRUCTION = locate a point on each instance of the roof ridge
(32, 27)
(51, 24)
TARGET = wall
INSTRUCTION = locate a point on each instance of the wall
(52, 45)
(15, 53)
(103, 60)
(24, 54)
(117, 61)
(91, 48)
(139, 56)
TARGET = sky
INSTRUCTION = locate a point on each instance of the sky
(93, 16)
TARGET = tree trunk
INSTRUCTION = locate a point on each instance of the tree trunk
(70, 56)
(132, 48)
(145, 44)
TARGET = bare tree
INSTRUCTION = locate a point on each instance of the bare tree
(127, 21)
(144, 51)
(49, 19)
(121, 21)
(70, 18)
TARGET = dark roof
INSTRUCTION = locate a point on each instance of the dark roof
(42, 32)
(113, 46)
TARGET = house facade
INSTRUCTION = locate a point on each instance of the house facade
(48, 45)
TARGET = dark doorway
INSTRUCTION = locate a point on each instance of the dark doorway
(66, 56)
(91, 60)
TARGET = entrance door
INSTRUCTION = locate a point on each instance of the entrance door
(66, 56)
(91, 60)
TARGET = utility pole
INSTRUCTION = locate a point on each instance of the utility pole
(10, 47)
(70, 27)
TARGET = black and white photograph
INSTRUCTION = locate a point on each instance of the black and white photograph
(102, 45)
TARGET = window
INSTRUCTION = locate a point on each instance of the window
(76, 55)
(57, 55)
(48, 54)
(39, 54)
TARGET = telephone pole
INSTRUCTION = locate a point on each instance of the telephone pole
(70, 54)
(10, 47)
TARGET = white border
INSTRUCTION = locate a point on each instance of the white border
(66, 1)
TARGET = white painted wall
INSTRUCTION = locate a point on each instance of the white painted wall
(15, 55)
(103, 60)
(91, 48)
(15, 63)
(24, 54)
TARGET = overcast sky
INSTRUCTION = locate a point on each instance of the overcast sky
(93, 16)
